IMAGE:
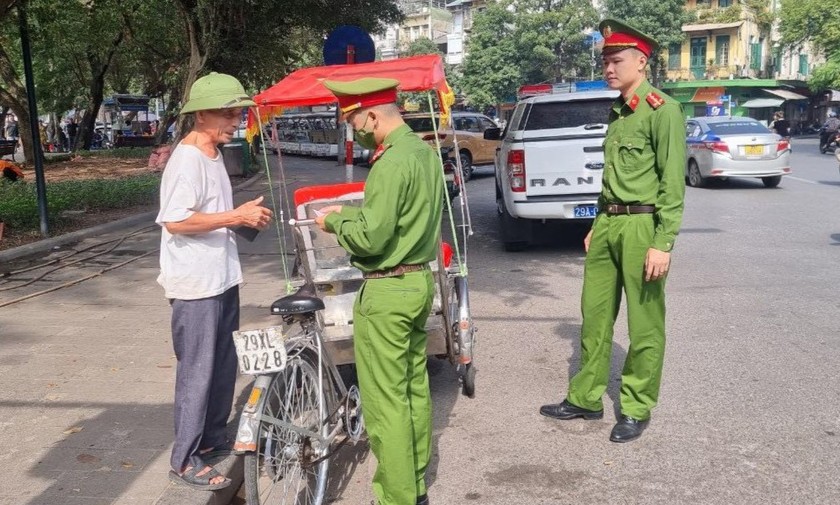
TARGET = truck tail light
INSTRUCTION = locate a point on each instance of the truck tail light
(516, 170)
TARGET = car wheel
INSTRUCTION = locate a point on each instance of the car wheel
(771, 182)
(466, 165)
(695, 179)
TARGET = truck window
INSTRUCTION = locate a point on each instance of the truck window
(571, 114)
(515, 119)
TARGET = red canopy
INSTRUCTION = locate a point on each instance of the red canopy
(304, 87)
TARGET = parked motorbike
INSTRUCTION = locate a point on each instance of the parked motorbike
(832, 143)
(450, 170)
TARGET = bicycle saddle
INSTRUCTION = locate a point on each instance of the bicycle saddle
(300, 302)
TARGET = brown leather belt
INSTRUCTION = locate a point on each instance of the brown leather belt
(395, 272)
(617, 209)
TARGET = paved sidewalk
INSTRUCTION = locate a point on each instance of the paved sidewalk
(88, 370)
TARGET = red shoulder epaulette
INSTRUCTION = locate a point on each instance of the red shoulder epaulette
(654, 100)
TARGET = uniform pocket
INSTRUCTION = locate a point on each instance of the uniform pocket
(630, 151)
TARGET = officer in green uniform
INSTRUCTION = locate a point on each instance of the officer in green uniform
(391, 239)
(629, 246)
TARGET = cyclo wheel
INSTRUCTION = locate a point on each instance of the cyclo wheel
(281, 470)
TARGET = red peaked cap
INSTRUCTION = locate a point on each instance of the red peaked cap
(618, 36)
(365, 92)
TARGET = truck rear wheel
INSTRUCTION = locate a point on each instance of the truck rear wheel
(515, 233)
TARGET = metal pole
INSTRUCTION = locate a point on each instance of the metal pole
(40, 182)
(592, 60)
(430, 21)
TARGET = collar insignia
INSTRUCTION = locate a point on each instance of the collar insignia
(654, 100)
(380, 150)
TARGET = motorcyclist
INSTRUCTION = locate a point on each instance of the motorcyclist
(829, 130)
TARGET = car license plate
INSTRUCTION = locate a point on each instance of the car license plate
(260, 351)
(754, 150)
(584, 211)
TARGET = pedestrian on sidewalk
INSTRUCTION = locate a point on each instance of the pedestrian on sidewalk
(629, 246)
(391, 239)
(200, 273)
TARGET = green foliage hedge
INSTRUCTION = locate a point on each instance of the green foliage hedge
(19, 203)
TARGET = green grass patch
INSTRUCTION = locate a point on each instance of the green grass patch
(19, 202)
(120, 152)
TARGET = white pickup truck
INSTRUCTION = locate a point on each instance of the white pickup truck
(550, 162)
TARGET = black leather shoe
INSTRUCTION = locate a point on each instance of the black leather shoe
(566, 410)
(627, 429)
(423, 500)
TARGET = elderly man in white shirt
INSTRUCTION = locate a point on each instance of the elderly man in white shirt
(200, 274)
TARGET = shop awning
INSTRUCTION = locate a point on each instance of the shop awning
(711, 26)
(761, 103)
(785, 94)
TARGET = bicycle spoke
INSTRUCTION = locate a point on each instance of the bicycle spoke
(286, 475)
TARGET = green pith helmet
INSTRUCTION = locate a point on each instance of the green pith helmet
(217, 91)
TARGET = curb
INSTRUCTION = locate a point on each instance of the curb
(52, 243)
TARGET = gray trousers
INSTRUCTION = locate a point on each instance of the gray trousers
(206, 373)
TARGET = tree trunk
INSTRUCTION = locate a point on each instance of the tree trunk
(198, 55)
(84, 137)
(13, 94)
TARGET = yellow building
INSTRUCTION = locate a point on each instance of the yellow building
(725, 42)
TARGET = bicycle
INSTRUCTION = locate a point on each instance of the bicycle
(292, 413)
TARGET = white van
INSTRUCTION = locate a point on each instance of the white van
(550, 162)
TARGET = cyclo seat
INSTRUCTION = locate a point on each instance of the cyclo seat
(300, 302)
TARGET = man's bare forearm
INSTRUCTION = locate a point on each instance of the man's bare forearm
(203, 223)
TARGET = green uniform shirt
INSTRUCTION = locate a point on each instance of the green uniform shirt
(644, 155)
(399, 222)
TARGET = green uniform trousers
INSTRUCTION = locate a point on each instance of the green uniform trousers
(616, 261)
(389, 339)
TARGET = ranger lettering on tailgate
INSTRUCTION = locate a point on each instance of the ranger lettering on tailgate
(560, 181)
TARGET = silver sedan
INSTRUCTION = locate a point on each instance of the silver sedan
(718, 147)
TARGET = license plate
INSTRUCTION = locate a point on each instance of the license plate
(584, 211)
(260, 351)
(754, 150)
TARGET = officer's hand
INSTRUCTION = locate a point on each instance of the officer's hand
(328, 209)
(587, 240)
(322, 213)
(253, 214)
(656, 264)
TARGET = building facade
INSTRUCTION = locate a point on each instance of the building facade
(732, 51)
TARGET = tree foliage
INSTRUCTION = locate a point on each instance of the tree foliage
(422, 45)
(660, 19)
(514, 42)
(818, 23)
(491, 69)
(84, 50)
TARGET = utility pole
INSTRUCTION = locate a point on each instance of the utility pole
(40, 182)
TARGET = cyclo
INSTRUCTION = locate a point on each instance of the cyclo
(300, 411)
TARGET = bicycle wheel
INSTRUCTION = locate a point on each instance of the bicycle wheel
(282, 470)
